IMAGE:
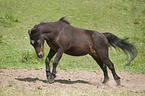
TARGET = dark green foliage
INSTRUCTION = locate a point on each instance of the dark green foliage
(30, 58)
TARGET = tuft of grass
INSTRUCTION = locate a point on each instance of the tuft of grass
(30, 58)
(11, 84)
(1, 37)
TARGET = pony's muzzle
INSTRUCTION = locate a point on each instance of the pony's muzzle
(40, 54)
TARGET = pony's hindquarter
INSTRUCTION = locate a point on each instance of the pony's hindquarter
(102, 58)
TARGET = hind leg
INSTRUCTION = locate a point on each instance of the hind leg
(103, 67)
(110, 65)
(103, 54)
(101, 46)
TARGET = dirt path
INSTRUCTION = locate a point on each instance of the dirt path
(80, 79)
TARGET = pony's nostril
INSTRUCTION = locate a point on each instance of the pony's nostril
(41, 56)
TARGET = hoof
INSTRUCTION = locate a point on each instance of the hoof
(118, 82)
(51, 79)
(105, 81)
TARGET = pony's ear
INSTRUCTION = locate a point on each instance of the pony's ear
(29, 32)
(63, 18)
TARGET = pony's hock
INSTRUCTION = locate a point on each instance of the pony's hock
(64, 38)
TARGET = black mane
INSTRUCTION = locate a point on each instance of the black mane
(63, 20)
(34, 28)
(42, 23)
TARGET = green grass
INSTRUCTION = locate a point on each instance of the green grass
(124, 18)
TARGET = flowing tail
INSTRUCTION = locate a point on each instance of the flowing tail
(127, 48)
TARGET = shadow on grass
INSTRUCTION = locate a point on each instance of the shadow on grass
(29, 79)
(71, 82)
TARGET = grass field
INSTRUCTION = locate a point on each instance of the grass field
(124, 18)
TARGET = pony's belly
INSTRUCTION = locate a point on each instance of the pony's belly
(78, 52)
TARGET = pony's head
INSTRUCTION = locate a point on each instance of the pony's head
(36, 41)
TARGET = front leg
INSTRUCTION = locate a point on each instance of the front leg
(55, 63)
(48, 58)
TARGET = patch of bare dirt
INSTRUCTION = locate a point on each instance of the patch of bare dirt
(84, 79)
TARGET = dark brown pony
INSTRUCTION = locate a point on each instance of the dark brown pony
(64, 38)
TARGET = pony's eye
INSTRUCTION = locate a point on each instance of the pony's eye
(38, 41)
